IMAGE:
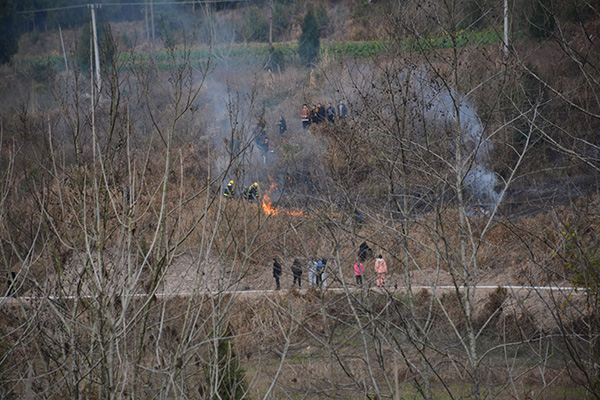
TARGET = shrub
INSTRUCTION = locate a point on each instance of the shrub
(255, 27)
(41, 71)
(493, 308)
(276, 60)
(231, 384)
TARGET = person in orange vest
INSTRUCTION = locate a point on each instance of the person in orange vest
(380, 270)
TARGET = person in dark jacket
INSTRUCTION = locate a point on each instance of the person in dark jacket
(282, 125)
(262, 142)
(330, 113)
(276, 272)
(297, 272)
(364, 252)
(259, 129)
(320, 113)
(314, 115)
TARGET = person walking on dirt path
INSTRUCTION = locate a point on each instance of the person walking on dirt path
(297, 272)
(359, 268)
(319, 266)
(380, 270)
(276, 272)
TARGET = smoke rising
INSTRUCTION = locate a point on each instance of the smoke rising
(455, 111)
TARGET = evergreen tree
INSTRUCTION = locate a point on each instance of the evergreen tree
(309, 41)
(231, 384)
(9, 33)
(106, 44)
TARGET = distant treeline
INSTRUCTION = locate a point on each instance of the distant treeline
(18, 17)
(41, 15)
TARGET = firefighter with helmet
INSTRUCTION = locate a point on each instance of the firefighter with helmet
(229, 191)
(252, 192)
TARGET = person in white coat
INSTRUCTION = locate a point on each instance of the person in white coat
(312, 273)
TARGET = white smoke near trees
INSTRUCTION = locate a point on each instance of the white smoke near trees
(229, 115)
(443, 105)
(231, 109)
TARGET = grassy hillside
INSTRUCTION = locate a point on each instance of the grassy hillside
(471, 170)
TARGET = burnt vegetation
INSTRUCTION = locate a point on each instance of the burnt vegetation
(470, 164)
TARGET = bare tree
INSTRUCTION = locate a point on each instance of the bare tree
(444, 194)
(129, 277)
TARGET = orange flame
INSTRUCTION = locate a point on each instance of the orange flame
(268, 206)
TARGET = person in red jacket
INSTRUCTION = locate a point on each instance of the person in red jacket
(380, 270)
(358, 270)
(305, 116)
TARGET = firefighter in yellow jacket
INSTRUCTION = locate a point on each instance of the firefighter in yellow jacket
(252, 192)
(229, 191)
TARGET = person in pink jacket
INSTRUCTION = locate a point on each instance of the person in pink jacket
(380, 270)
(358, 270)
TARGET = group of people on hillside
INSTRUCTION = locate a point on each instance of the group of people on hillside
(317, 272)
(315, 115)
(318, 114)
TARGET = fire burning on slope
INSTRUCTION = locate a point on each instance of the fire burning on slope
(271, 209)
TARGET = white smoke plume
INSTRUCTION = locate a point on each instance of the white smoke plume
(452, 109)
